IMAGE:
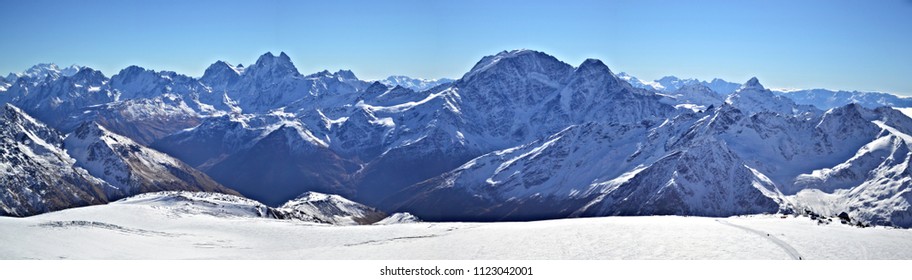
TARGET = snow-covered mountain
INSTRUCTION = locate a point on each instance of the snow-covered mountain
(44, 71)
(637, 83)
(131, 167)
(309, 207)
(53, 98)
(332, 209)
(520, 136)
(44, 170)
(752, 97)
(826, 99)
(693, 96)
(747, 156)
(721, 86)
(820, 98)
(382, 139)
(416, 84)
(671, 84)
(185, 203)
(37, 173)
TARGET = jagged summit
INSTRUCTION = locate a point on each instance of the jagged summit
(695, 86)
(274, 66)
(345, 75)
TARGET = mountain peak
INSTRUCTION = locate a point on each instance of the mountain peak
(593, 64)
(695, 87)
(345, 75)
(90, 129)
(376, 88)
(221, 71)
(132, 69)
(519, 62)
(268, 57)
(88, 74)
(279, 66)
(752, 83)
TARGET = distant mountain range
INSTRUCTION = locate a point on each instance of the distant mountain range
(820, 98)
(521, 136)
(416, 84)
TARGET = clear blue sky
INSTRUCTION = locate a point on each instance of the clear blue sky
(857, 45)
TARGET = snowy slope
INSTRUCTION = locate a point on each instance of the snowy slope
(44, 170)
(144, 230)
(131, 167)
(144, 120)
(399, 218)
(873, 187)
(36, 173)
(597, 169)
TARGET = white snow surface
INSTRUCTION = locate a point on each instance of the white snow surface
(139, 229)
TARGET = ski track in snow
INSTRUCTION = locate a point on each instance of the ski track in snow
(785, 246)
(105, 226)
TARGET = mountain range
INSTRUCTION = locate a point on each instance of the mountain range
(820, 98)
(520, 136)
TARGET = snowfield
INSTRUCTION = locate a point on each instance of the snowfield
(134, 230)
